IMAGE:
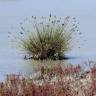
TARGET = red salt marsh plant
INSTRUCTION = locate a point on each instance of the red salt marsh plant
(30, 89)
(18, 85)
(52, 81)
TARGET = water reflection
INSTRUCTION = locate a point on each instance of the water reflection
(25, 66)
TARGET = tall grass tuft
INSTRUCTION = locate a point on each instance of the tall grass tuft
(49, 38)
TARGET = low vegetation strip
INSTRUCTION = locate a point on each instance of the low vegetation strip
(55, 81)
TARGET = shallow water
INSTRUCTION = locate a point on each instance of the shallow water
(12, 12)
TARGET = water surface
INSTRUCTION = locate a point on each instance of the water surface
(12, 12)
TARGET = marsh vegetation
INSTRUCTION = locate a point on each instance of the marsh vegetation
(49, 38)
(52, 81)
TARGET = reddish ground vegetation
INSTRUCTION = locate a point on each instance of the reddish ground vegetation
(55, 81)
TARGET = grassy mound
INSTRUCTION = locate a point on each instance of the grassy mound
(49, 39)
